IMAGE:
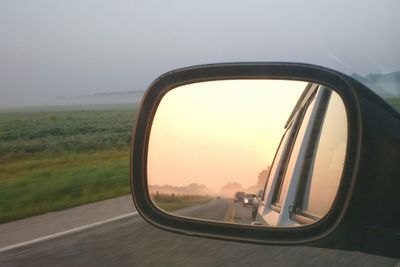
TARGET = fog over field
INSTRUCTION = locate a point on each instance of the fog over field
(125, 97)
(386, 86)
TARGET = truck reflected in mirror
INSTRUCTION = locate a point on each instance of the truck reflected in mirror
(257, 152)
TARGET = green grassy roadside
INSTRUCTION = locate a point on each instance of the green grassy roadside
(169, 202)
(62, 157)
(38, 185)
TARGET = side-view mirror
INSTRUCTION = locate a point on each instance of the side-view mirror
(274, 153)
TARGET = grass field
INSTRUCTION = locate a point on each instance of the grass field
(27, 134)
(169, 202)
(51, 160)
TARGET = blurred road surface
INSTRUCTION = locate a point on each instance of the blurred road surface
(130, 241)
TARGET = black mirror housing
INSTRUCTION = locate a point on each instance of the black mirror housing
(365, 215)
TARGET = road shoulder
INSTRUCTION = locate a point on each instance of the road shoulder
(55, 222)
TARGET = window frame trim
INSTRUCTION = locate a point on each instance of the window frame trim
(298, 212)
(296, 122)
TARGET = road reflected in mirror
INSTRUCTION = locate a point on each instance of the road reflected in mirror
(256, 152)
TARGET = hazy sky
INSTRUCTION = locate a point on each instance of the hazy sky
(213, 133)
(78, 47)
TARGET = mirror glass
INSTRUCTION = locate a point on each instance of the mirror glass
(256, 152)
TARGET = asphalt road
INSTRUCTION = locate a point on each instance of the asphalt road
(221, 209)
(215, 210)
(132, 242)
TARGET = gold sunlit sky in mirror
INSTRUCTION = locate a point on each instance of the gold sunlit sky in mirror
(217, 132)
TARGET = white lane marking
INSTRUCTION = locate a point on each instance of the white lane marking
(67, 232)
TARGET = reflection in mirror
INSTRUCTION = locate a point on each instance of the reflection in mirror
(257, 152)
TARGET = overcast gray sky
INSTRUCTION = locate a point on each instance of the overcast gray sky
(77, 47)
